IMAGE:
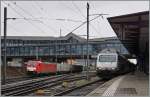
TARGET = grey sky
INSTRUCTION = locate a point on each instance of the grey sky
(42, 16)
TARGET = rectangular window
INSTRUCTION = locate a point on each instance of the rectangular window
(22, 51)
(107, 58)
(79, 49)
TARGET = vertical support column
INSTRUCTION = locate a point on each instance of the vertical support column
(122, 31)
(140, 56)
(87, 41)
(37, 53)
(56, 51)
(71, 55)
(5, 39)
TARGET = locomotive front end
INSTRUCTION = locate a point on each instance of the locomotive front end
(107, 64)
(32, 67)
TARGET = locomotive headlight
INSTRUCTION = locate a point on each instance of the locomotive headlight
(31, 68)
(99, 68)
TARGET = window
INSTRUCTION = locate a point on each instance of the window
(90, 49)
(45, 50)
(61, 49)
(107, 58)
(79, 49)
(32, 63)
(16, 50)
(73, 49)
(8, 51)
(52, 49)
(26, 50)
(67, 49)
(22, 50)
(25, 42)
(84, 49)
(32, 50)
(12, 51)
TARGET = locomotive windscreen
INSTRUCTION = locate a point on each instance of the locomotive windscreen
(107, 58)
(32, 63)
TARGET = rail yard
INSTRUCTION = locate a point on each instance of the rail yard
(74, 48)
(29, 86)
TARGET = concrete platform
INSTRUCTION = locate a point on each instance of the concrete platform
(125, 85)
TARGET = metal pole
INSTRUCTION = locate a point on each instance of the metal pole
(5, 39)
(87, 41)
(56, 51)
(71, 55)
(83, 61)
(37, 53)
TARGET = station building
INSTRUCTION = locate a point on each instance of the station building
(70, 46)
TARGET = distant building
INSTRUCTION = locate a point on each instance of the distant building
(70, 46)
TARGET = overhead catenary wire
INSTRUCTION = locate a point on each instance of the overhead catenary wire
(78, 9)
(38, 19)
(69, 20)
(13, 28)
(83, 16)
(34, 17)
(46, 18)
(99, 25)
(71, 9)
(17, 31)
(36, 6)
(23, 16)
(58, 19)
(84, 23)
(31, 19)
(27, 19)
(39, 6)
(41, 9)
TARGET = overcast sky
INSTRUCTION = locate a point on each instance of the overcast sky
(43, 18)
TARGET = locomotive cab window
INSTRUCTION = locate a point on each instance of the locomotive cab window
(46, 63)
(107, 58)
(32, 63)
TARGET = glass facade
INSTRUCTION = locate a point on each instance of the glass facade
(16, 47)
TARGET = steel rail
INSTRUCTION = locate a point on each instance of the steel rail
(41, 85)
(28, 81)
(16, 79)
(75, 88)
(31, 87)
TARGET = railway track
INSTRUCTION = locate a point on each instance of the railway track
(23, 87)
(23, 78)
(16, 79)
(27, 87)
(73, 89)
(81, 90)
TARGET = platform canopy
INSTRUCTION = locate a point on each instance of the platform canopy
(133, 31)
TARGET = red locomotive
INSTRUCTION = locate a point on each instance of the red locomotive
(39, 67)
